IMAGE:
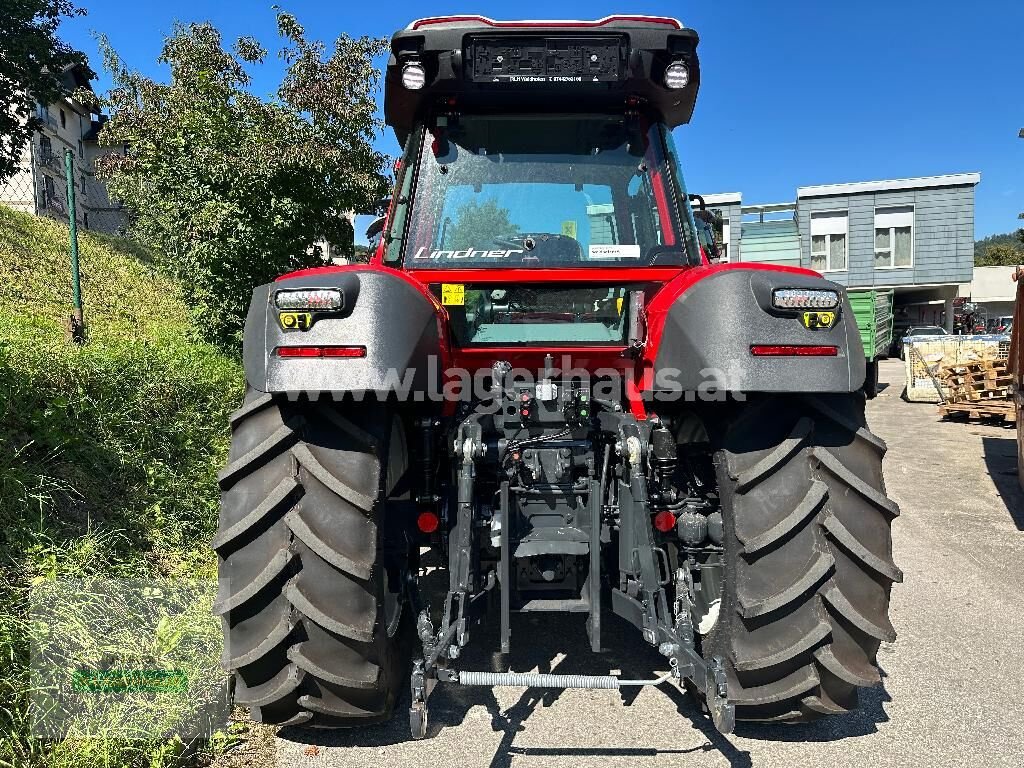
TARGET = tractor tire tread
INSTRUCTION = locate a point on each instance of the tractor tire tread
(300, 599)
(808, 557)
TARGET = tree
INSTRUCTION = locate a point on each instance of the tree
(32, 60)
(361, 254)
(232, 188)
(1000, 256)
(1012, 239)
(477, 225)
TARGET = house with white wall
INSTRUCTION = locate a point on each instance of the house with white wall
(39, 185)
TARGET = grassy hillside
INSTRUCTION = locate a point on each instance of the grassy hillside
(108, 454)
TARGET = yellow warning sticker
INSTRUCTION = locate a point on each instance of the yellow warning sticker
(569, 228)
(814, 320)
(453, 294)
(295, 321)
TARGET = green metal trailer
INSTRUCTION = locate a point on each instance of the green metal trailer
(873, 310)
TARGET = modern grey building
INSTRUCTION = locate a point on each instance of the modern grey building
(915, 236)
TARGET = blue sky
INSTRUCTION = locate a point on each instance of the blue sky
(793, 93)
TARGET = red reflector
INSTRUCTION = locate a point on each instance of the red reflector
(664, 521)
(344, 351)
(427, 522)
(792, 350)
(320, 351)
(298, 351)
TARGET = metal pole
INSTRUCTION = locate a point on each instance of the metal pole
(76, 326)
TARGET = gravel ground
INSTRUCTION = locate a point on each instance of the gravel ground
(952, 682)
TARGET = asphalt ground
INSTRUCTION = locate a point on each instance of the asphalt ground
(952, 692)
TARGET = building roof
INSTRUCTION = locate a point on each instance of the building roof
(891, 185)
(724, 198)
(769, 208)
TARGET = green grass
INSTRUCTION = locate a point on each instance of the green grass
(108, 453)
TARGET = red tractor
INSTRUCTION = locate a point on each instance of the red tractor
(540, 387)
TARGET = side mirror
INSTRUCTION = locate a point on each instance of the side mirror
(375, 228)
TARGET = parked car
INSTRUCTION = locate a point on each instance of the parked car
(920, 330)
(1000, 324)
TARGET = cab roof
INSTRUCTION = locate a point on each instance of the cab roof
(472, 63)
(478, 21)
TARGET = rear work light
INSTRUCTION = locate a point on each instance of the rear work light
(804, 298)
(677, 76)
(320, 352)
(324, 299)
(414, 76)
(792, 350)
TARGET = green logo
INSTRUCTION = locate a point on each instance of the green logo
(129, 681)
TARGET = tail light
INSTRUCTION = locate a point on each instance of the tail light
(327, 299)
(792, 350)
(349, 352)
(804, 298)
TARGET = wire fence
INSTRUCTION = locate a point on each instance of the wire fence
(40, 187)
(64, 187)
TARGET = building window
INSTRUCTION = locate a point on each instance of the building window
(63, 119)
(49, 191)
(45, 149)
(894, 237)
(828, 241)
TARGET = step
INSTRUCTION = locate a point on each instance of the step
(554, 606)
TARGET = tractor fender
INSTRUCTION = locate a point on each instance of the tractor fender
(392, 316)
(702, 327)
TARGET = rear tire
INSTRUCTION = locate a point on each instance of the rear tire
(314, 633)
(871, 379)
(808, 553)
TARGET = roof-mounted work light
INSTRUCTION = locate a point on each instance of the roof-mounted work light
(677, 76)
(414, 76)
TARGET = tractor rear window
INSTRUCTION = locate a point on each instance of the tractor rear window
(513, 192)
(531, 314)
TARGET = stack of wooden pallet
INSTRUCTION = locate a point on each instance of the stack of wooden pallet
(979, 390)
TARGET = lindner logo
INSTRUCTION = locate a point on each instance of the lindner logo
(469, 253)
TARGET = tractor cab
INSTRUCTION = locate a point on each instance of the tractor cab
(537, 146)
